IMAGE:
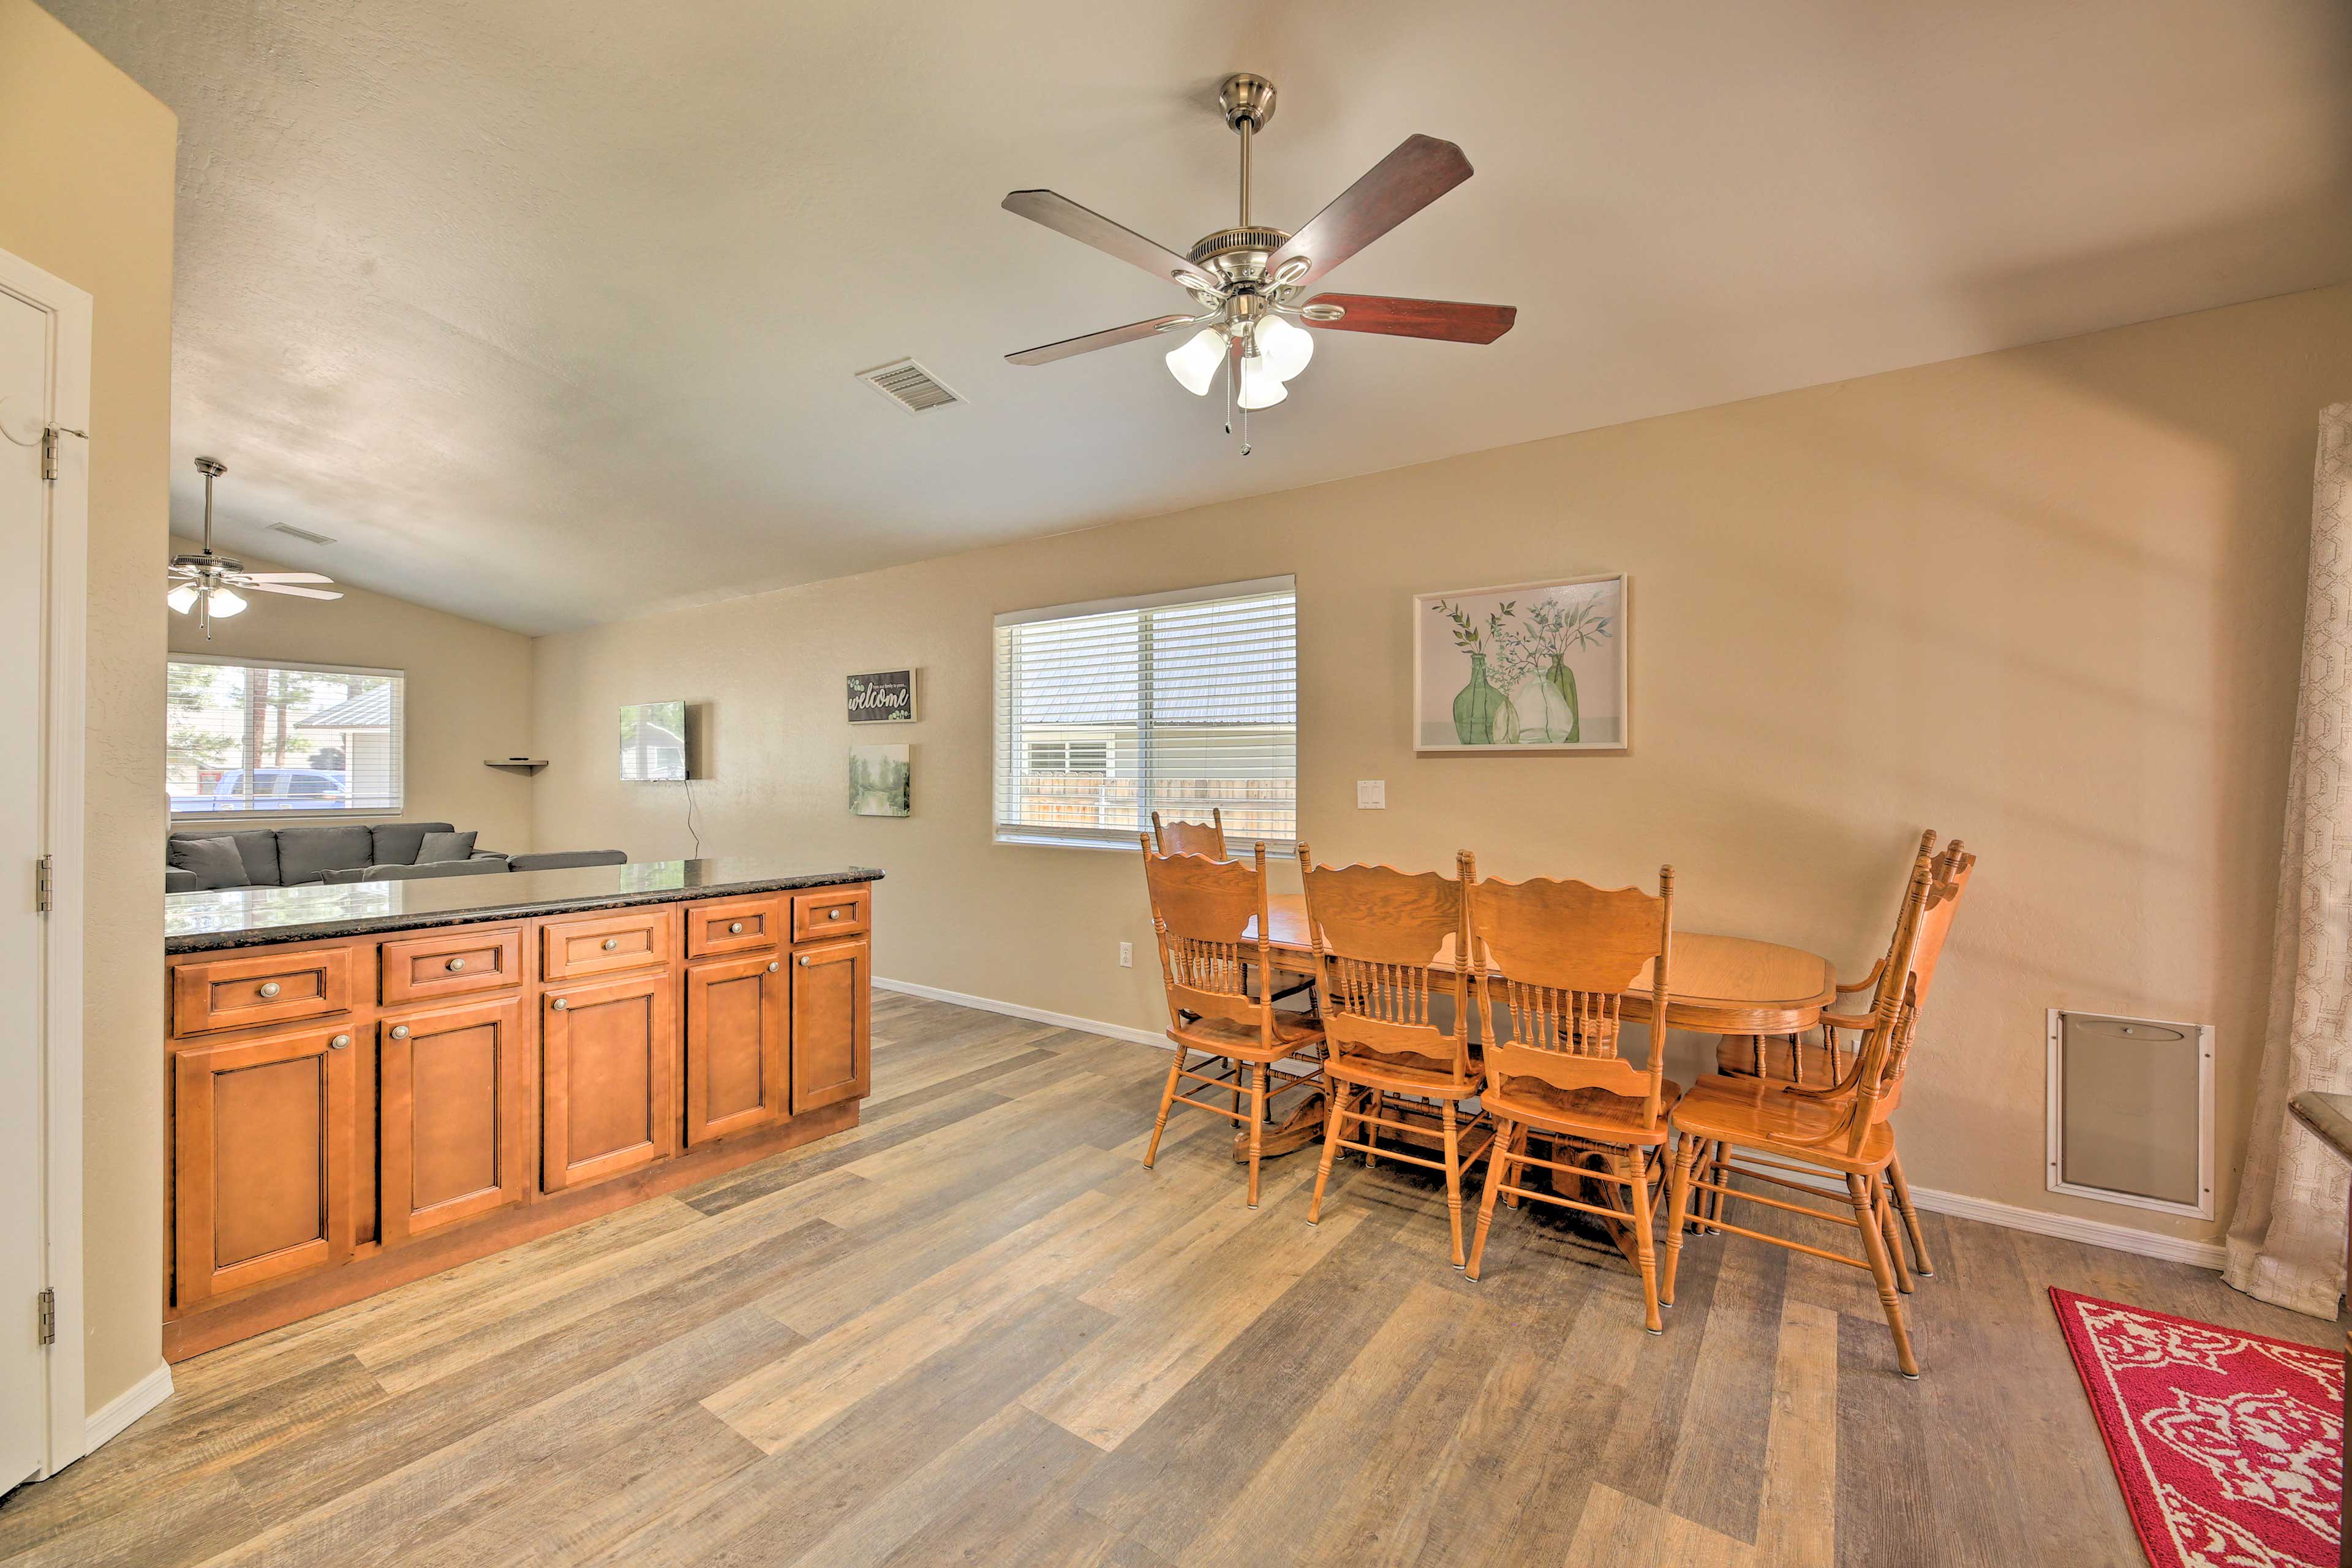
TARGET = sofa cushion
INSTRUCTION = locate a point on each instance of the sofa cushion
(345, 874)
(443, 847)
(305, 853)
(214, 862)
(258, 847)
(396, 843)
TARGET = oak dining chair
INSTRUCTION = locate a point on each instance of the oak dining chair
(1209, 919)
(1948, 882)
(1552, 1021)
(1773, 1130)
(1388, 946)
(1192, 838)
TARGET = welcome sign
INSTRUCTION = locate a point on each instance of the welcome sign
(885, 697)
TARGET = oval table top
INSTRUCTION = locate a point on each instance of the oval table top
(1722, 984)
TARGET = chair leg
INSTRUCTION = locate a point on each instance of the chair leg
(1167, 1099)
(1873, 1247)
(1645, 1250)
(1893, 1238)
(1372, 1129)
(1925, 1266)
(1498, 1160)
(1257, 1127)
(1719, 1172)
(1677, 1214)
(1332, 1123)
(1519, 1136)
(1454, 1180)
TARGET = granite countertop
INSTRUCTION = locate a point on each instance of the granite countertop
(251, 916)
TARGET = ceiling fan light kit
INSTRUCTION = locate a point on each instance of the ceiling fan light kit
(208, 582)
(1248, 279)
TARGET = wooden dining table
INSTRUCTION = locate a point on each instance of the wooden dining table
(1719, 984)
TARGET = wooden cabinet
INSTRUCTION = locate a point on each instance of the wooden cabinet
(723, 926)
(261, 1159)
(607, 1091)
(831, 1003)
(466, 962)
(735, 1027)
(602, 944)
(271, 987)
(454, 1116)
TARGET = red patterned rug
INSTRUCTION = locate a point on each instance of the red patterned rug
(2229, 1445)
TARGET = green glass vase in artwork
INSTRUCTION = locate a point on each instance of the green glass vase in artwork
(1563, 680)
(1482, 715)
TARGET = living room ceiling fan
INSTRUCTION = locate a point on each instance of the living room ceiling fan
(208, 584)
(1249, 278)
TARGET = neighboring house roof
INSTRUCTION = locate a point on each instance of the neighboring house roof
(368, 710)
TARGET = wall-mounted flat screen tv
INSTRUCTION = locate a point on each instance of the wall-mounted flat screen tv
(653, 741)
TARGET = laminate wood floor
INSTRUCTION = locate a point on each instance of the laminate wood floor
(976, 1330)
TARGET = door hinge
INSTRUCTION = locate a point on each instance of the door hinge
(49, 1300)
(45, 885)
(50, 453)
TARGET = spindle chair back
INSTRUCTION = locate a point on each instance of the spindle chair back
(1192, 838)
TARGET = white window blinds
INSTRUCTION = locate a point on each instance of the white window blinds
(248, 738)
(1179, 703)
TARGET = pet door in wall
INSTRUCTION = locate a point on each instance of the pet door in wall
(2131, 1111)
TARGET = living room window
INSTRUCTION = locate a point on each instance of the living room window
(1179, 703)
(260, 738)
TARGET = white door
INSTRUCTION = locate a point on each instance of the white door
(28, 377)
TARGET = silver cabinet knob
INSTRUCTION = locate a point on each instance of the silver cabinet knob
(339, 1042)
(773, 967)
(833, 914)
(735, 928)
(804, 961)
(560, 1005)
(455, 965)
(611, 942)
(268, 989)
(400, 1031)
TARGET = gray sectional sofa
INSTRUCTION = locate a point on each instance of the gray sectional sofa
(288, 857)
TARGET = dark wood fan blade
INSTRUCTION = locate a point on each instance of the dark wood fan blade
(1444, 319)
(1134, 332)
(1063, 215)
(1421, 170)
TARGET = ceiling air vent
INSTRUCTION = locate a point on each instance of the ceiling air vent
(910, 386)
(304, 534)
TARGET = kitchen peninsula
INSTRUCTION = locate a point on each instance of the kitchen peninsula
(371, 1082)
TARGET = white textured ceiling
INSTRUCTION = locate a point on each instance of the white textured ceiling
(547, 312)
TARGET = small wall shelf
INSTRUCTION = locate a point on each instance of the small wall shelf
(515, 765)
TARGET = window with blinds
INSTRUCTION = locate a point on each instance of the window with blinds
(251, 737)
(1179, 703)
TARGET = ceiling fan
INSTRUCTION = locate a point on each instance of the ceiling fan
(1249, 278)
(208, 584)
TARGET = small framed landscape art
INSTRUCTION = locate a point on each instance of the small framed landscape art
(884, 697)
(881, 782)
(1532, 666)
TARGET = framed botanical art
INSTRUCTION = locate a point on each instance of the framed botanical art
(1532, 666)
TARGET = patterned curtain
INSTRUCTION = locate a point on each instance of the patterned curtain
(2286, 1241)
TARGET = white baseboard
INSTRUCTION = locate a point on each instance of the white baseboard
(109, 1420)
(1014, 1010)
(2067, 1228)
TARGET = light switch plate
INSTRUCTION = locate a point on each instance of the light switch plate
(1371, 795)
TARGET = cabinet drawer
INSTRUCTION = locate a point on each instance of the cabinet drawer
(732, 925)
(603, 945)
(260, 988)
(452, 964)
(829, 911)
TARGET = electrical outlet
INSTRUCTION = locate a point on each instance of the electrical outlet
(1371, 795)
(1127, 955)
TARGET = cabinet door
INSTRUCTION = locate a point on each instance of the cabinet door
(454, 1082)
(734, 1047)
(261, 1158)
(608, 1099)
(830, 1006)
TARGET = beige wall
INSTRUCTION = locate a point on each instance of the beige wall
(2048, 599)
(469, 689)
(86, 170)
